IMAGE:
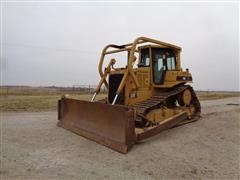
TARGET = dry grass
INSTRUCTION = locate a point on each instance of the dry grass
(37, 99)
(37, 102)
(211, 95)
(45, 99)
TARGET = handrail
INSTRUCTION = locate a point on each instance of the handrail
(132, 49)
(141, 40)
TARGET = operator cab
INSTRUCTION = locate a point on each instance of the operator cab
(163, 59)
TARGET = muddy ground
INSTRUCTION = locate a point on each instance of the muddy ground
(33, 147)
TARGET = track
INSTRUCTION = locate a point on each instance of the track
(158, 100)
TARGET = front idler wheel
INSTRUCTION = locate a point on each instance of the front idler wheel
(185, 98)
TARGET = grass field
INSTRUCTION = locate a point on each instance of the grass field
(211, 95)
(45, 99)
(38, 99)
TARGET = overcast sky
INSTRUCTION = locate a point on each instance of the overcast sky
(60, 43)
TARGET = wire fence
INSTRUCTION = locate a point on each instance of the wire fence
(88, 88)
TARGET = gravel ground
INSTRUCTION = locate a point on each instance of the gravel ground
(33, 147)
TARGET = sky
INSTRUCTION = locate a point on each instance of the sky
(60, 43)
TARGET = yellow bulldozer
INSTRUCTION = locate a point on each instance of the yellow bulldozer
(147, 96)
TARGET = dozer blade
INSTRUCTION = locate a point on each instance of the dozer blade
(112, 126)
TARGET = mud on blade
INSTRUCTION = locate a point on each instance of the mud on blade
(112, 126)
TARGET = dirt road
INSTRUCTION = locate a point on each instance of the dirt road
(33, 147)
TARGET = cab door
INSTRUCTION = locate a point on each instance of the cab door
(158, 65)
(163, 62)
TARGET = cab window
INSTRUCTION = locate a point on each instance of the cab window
(171, 63)
(145, 58)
